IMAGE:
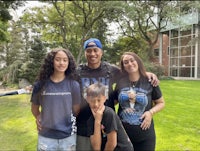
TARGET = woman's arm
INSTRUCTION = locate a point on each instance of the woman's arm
(159, 105)
(111, 141)
(35, 109)
(148, 115)
(76, 109)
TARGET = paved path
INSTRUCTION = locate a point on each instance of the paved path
(5, 90)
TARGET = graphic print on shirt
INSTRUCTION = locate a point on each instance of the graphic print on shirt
(57, 106)
(131, 112)
(88, 81)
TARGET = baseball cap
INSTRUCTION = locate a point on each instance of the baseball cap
(97, 43)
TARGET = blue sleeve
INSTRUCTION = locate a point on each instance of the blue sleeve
(35, 94)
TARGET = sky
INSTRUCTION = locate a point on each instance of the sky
(17, 13)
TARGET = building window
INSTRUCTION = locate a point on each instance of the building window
(174, 42)
(168, 50)
(174, 33)
(185, 32)
(156, 52)
(181, 53)
(174, 52)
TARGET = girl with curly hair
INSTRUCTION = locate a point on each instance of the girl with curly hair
(55, 101)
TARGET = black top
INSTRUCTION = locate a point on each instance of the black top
(145, 96)
(107, 74)
(111, 122)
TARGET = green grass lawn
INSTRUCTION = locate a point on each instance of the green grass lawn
(177, 126)
(17, 126)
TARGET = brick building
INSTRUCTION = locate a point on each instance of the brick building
(178, 47)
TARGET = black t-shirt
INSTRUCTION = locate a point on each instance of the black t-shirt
(107, 74)
(111, 122)
(145, 94)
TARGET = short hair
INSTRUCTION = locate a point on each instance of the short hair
(96, 89)
(97, 43)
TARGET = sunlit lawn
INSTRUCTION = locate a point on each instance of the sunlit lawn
(17, 126)
(177, 126)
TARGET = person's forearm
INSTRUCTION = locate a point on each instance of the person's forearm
(36, 113)
(76, 109)
(109, 146)
(158, 107)
(111, 142)
(35, 110)
(96, 138)
(153, 78)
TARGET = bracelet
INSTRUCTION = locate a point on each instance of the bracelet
(151, 112)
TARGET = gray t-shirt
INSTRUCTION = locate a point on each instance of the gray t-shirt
(56, 101)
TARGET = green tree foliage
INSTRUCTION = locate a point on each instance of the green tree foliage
(146, 19)
(69, 23)
(124, 44)
(143, 19)
(30, 69)
(12, 54)
(15, 45)
(5, 16)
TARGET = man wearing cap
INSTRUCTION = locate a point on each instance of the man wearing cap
(94, 71)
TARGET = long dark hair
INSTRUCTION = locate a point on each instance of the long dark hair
(141, 68)
(47, 67)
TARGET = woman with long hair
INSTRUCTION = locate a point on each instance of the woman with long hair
(55, 101)
(138, 101)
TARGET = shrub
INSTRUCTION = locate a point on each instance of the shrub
(166, 78)
(155, 68)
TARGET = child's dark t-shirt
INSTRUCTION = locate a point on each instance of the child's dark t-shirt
(109, 123)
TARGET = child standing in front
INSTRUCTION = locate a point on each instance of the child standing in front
(104, 126)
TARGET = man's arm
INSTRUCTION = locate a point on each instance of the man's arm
(111, 141)
(153, 79)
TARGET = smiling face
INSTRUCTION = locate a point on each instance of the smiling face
(61, 62)
(93, 56)
(130, 64)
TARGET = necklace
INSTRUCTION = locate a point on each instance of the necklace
(133, 83)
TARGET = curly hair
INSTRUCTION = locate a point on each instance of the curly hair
(47, 67)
